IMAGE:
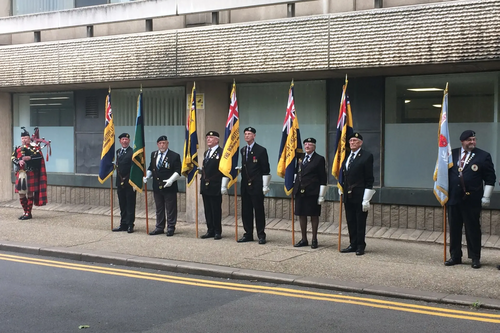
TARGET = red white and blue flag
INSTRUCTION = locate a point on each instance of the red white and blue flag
(229, 159)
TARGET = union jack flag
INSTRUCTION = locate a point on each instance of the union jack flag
(229, 159)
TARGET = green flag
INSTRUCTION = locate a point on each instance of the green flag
(138, 161)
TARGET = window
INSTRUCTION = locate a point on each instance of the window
(413, 106)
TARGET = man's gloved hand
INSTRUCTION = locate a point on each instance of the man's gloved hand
(223, 188)
(485, 201)
(367, 196)
(148, 175)
(322, 191)
(266, 180)
(172, 179)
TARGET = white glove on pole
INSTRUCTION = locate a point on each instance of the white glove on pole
(148, 175)
(322, 191)
(266, 180)
(223, 188)
(485, 201)
(367, 196)
(237, 168)
(340, 192)
(172, 179)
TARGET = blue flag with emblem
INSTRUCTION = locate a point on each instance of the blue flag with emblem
(190, 162)
(106, 166)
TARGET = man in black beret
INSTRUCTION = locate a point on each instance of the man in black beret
(309, 191)
(165, 168)
(255, 179)
(210, 188)
(357, 172)
(126, 193)
(471, 168)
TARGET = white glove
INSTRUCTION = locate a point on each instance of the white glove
(200, 168)
(322, 191)
(223, 188)
(340, 192)
(367, 196)
(485, 201)
(148, 175)
(172, 179)
(237, 168)
(266, 179)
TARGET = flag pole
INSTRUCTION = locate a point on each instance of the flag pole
(444, 232)
(293, 223)
(145, 189)
(111, 199)
(340, 224)
(236, 211)
(196, 204)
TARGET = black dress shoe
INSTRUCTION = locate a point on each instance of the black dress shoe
(130, 230)
(21, 217)
(217, 236)
(476, 263)
(207, 235)
(156, 232)
(302, 242)
(348, 249)
(360, 252)
(26, 217)
(314, 244)
(245, 239)
(120, 228)
(262, 241)
(498, 267)
(452, 262)
(170, 233)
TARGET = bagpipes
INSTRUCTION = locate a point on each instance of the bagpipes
(41, 143)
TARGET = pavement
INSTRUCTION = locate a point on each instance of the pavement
(398, 263)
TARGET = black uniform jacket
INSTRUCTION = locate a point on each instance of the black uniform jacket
(253, 169)
(310, 177)
(479, 169)
(123, 165)
(171, 164)
(211, 177)
(358, 177)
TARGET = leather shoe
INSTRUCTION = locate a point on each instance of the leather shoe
(302, 242)
(452, 262)
(314, 244)
(207, 235)
(26, 217)
(217, 236)
(348, 249)
(360, 252)
(245, 239)
(262, 241)
(498, 267)
(170, 233)
(120, 228)
(130, 230)
(156, 232)
(476, 263)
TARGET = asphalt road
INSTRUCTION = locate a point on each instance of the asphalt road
(45, 295)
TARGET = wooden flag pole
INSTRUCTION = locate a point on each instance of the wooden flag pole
(236, 211)
(111, 199)
(340, 223)
(293, 223)
(196, 205)
(444, 232)
(146, 198)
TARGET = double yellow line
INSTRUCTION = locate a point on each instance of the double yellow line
(374, 303)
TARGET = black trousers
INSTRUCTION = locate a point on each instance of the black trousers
(249, 204)
(213, 213)
(356, 224)
(458, 216)
(165, 201)
(126, 199)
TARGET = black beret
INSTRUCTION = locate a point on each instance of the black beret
(24, 132)
(250, 129)
(355, 135)
(162, 138)
(124, 135)
(312, 140)
(467, 134)
(212, 133)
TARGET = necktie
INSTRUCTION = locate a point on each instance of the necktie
(208, 154)
(248, 152)
(306, 160)
(462, 161)
(122, 152)
(351, 158)
(160, 161)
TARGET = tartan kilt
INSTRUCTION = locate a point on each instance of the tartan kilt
(32, 181)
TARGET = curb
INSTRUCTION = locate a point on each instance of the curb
(225, 272)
